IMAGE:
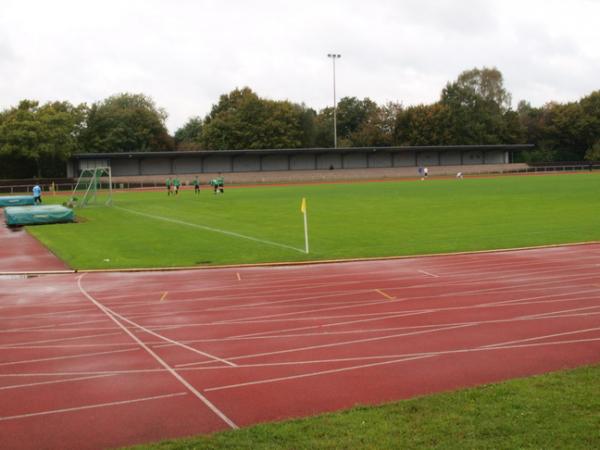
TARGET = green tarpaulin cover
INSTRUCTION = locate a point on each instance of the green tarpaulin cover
(16, 200)
(29, 215)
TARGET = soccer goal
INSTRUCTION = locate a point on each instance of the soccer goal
(94, 187)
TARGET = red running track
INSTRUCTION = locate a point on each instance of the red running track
(21, 252)
(110, 359)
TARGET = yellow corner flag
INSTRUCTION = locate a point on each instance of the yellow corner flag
(303, 211)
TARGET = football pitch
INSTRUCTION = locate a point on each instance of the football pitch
(345, 220)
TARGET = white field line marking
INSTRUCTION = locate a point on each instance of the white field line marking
(172, 371)
(381, 271)
(62, 358)
(48, 341)
(551, 313)
(54, 327)
(26, 330)
(40, 316)
(98, 405)
(537, 338)
(399, 360)
(300, 362)
(381, 330)
(428, 274)
(335, 344)
(404, 299)
(372, 317)
(278, 316)
(287, 289)
(313, 374)
(304, 362)
(40, 383)
(215, 230)
(367, 331)
(171, 341)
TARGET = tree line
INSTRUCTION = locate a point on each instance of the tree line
(36, 139)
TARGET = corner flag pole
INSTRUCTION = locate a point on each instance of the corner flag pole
(303, 211)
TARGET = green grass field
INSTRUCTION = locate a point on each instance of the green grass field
(149, 229)
(554, 411)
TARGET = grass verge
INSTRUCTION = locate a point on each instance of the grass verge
(559, 410)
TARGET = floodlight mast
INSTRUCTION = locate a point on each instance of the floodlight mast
(334, 56)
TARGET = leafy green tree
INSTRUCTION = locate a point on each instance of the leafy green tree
(478, 109)
(593, 153)
(126, 123)
(46, 135)
(422, 125)
(352, 114)
(242, 120)
(377, 129)
(189, 137)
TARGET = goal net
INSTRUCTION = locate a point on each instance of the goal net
(94, 187)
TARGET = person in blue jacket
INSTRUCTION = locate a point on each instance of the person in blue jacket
(37, 194)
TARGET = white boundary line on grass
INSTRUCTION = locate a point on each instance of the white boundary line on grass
(215, 230)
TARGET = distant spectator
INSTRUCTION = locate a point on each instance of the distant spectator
(37, 194)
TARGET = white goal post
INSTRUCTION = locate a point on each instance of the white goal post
(94, 187)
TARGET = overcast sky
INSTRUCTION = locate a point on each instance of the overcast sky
(186, 53)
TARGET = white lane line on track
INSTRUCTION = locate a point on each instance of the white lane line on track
(62, 358)
(404, 358)
(68, 380)
(214, 230)
(357, 341)
(48, 341)
(315, 279)
(97, 405)
(537, 338)
(514, 344)
(393, 314)
(337, 344)
(559, 315)
(170, 341)
(172, 371)
(377, 330)
(304, 362)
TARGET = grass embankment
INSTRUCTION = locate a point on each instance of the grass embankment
(345, 221)
(554, 411)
